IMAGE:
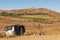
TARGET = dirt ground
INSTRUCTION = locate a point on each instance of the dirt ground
(42, 37)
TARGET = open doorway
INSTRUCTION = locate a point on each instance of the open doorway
(19, 29)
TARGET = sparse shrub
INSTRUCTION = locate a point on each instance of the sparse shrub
(37, 25)
(10, 14)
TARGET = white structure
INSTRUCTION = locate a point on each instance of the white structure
(10, 32)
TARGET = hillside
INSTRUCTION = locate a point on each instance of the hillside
(41, 20)
(32, 11)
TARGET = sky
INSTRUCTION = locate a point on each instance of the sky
(21, 4)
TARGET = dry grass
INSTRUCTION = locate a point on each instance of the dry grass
(36, 16)
(42, 37)
(32, 26)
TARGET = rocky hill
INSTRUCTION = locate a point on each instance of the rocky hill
(32, 11)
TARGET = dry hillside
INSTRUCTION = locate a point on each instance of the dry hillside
(41, 20)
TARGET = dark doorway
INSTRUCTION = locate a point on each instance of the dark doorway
(19, 29)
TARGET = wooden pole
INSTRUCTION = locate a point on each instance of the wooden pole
(21, 31)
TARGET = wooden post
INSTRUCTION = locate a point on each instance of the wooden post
(21, 31)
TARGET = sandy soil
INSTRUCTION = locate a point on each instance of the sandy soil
(42, 37)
